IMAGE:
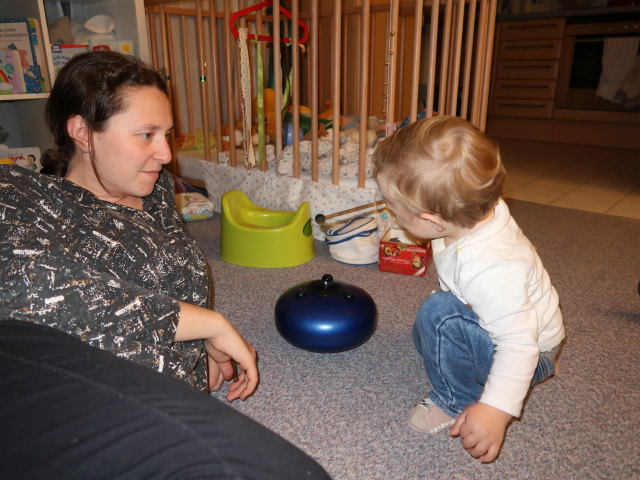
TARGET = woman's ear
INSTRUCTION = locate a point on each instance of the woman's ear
(79, 132)
(434, 220)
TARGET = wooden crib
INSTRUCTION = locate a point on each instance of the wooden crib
(376, 63)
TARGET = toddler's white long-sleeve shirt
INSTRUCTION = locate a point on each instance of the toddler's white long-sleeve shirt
(498, 273)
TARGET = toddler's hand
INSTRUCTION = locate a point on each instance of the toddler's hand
(482, 429)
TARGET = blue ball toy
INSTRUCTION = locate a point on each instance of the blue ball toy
(325, 316)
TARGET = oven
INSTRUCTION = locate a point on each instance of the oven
(595, 50)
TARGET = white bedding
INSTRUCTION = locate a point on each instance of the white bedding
(277, 189)
(281, 192)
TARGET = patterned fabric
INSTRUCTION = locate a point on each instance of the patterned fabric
(109, 274)
(281, 192)
(348, 163)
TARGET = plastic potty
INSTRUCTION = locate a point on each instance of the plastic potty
(254, 236)
(355, 242)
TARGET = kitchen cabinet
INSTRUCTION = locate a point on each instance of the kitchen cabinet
(538, 89)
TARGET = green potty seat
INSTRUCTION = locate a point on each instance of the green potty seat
(255, 236)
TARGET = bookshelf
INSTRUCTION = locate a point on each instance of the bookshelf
(22, 115)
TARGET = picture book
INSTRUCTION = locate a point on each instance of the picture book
(16, 38)
(61, 53)
(38, 50)
(11, 74)
(26, 157)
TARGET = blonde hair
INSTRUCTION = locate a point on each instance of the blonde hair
(441, 165)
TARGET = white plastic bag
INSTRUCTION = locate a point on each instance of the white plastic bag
(355, 242)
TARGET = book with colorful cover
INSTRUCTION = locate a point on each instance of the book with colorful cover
(11, 74)
(16, 35)
(26, 157)
(61, 54)
(38, 48)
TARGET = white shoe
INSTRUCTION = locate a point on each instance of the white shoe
(427, 417)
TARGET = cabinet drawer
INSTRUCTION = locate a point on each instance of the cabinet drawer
(539, 89)
(532, 29)
(528, 69)
(516, 107)
(529, 49)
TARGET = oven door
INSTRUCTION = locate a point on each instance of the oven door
(583, 52)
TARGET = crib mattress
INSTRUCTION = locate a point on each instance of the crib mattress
(281, 192)
(190, 167)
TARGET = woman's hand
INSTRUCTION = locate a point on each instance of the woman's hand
(222, 366)
(225, 349)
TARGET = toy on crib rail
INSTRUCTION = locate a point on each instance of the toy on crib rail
(325, 315)
(269, 99)
(190, 141)
(350, 125)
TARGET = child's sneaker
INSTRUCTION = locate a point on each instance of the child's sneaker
(427, 417)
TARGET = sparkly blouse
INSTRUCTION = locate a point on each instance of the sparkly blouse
(107, 273)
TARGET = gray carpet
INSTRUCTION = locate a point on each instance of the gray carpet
(348, 409)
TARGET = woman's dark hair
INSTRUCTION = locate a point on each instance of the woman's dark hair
(92, 85)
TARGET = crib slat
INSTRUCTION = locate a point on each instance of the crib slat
(295, 54)
(457, 52)
(364, 92)
(169, 62)
(464, 107)
(151, 21)
(215, 72)
(277, 75)
(444, 59)
(480, 61)
(165, 33)
(488, 51)
(187, 84)
(431, 59)
(173, 93)
(231, 98)
(202, 70)
(260, 50)
(415, 70)
(337, 30)
(314, 90)
(391, 67)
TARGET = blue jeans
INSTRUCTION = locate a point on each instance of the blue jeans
(458, 353)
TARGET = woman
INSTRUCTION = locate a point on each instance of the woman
(97, 249)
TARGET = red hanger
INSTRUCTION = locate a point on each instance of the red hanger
(265, 38)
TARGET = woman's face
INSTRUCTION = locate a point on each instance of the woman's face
(131, 151)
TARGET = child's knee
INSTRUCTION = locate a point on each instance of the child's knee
(440, 300)
(431, 312)
(440, 309)
(436, 305)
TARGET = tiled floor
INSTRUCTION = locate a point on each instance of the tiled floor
(596, 179)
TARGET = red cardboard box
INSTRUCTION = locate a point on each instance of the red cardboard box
(400, 254)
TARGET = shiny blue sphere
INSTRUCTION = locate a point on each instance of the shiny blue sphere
(325, 316)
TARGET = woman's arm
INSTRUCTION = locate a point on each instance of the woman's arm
(224, 347)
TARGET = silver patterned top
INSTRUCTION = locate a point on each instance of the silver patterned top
(109, 274)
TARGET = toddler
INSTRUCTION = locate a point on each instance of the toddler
(495, 328)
